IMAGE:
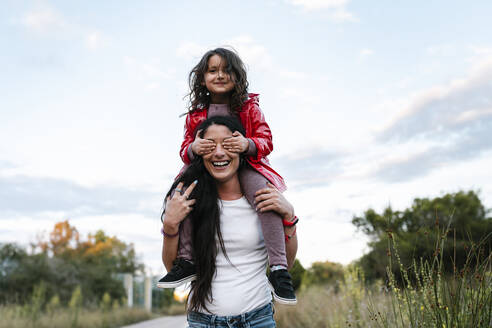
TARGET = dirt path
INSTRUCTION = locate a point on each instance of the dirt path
(178, 321)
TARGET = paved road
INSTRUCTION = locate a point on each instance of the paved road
(178, 321)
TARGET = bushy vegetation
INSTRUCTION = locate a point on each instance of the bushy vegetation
(41, 312)
(461, 214)
(432, 300)
(63, 262)
(428, 266)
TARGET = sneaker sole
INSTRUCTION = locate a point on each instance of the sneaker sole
(176, 283)
(281, 300)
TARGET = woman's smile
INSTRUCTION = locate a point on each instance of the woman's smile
(220, 163)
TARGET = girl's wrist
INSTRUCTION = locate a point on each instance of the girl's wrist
(193, 150)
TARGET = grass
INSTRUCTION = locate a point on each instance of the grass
(322, 306)
(425, 297)
(15, 316)
(173, 309)
(428, 298)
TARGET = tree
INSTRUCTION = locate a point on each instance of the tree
(63, 263)
(321, 273)
(297, 272)
(459, 218)
(63, 240)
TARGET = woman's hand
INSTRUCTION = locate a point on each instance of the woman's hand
(202, 146)
(236, 144)
(270, 199)
(178, 207)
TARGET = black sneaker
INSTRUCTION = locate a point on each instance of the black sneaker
(182, 272)
(281, 284)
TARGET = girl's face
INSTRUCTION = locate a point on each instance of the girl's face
(217, 80)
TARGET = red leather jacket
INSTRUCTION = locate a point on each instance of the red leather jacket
(257, 130)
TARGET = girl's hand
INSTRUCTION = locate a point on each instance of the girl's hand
(202, 146)
(236, 144)
(270, 199)
(178, 207)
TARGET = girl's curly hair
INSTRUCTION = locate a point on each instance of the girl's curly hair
(199, 97)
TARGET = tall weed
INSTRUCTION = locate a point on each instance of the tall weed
(428, 298)
(422, 296)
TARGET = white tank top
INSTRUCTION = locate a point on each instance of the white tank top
(242, 286)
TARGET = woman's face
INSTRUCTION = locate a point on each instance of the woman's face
(221, 164)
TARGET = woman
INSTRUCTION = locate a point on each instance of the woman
(231, 288)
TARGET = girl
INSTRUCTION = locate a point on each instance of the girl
(219, 87)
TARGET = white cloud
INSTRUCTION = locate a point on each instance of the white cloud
(364, 53)
(481, 50)
(319, 4)
(190, 50)
(337, 8)
(441, 50)
(150, 70)
(480, 53)
(49, 22)
(444, 125)
(251, 52)
(292, 74)
(94, 40)
(43, 20)
(342, 15)
(441, 108)
(472, 114)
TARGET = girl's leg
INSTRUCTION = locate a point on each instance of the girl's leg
(271, 223)
(185, 228)
(183, 269)
(185, 250)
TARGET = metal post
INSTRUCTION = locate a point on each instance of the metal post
(128, 282)
(148, 293)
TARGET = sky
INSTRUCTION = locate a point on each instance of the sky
(371, 104)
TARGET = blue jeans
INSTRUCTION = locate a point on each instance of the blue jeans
(258, 318)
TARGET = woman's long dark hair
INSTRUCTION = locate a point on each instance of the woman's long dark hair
(199, 96)
(205, 217)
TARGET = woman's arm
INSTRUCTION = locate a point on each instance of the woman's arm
(178, 206)
(270, 199)
(169, 247)
(290, 246)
